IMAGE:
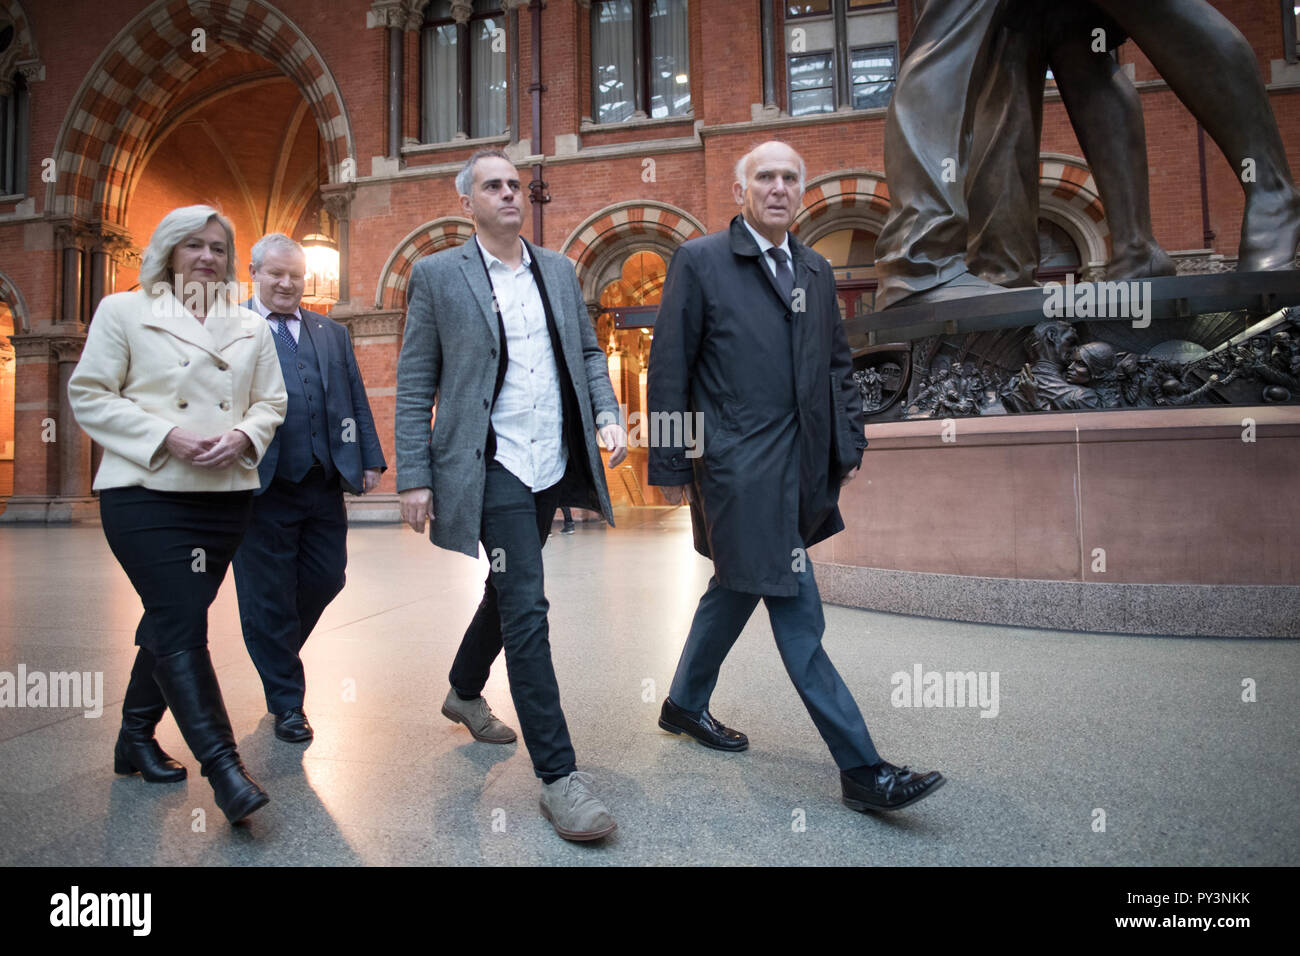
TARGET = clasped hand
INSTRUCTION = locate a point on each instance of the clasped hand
(219, 451)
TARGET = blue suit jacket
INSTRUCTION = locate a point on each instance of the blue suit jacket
(345, 398)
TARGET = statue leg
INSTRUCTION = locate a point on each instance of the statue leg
(1106, 114)
(1002, 189)
(923, 243)
(1188, 41)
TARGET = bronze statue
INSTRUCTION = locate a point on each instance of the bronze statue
(921, 251)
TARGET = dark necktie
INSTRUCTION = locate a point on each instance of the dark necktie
(784, 277)
(282, 330)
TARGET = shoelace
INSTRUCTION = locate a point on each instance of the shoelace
(581, 778)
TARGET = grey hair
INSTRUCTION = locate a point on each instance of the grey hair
(176, 226)
(268, 243)
(465, 178)
(742, 164)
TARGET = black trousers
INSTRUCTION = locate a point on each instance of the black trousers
(512, 615)
(175, 548)
(289, 568)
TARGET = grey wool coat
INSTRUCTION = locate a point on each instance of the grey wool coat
(449, 360)
(772, 386)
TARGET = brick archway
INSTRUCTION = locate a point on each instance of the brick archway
(445, 233)
(617, 224)
(860, 190)
(126, 93)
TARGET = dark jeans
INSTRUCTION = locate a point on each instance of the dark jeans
(797, 624)
(289, 568)
(512, 615)
(175, 548)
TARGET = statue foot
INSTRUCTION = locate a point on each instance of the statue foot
(1145, 262)
(1270, 233)
(958, 287)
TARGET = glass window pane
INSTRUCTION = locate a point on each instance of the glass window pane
(612, 79)
(872, 72)
(812, 79)
(487, 70)
(670, 58)
(438, 92)
(807, 8)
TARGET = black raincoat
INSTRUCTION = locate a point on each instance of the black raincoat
(771, 385)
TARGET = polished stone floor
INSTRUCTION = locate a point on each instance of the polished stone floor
(1104, 749)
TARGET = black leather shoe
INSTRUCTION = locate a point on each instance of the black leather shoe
(702, 726)
(292, 726)
(892, 788)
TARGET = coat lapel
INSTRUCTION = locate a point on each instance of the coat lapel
(553, 280)
(167, 314)
(471, 266)
(743, 244)
(313, 327)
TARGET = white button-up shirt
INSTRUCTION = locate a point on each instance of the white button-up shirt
(528, 416)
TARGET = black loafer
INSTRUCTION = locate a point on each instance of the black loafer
(702, 726)
(892, 788)
(292, 726)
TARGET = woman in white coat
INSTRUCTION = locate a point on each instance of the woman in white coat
(182, 389)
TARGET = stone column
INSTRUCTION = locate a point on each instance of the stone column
(73, 443)
(376, 340)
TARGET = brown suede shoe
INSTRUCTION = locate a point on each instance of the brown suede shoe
(574, 812)
(478, 717)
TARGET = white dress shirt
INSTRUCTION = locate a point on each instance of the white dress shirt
(765, 244)
(293, 324)
(527, 417)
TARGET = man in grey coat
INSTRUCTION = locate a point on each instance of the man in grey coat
(748, 339)
(498, 337)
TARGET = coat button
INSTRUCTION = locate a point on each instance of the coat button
(300, 365)
(485, 403)
(222, 366)
(184, 362)
(494, 353)
(181, 403)
(478, 453)
(225, 406)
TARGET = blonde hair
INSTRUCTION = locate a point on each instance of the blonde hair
(155, 264)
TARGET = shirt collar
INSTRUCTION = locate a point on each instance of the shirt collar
(492, 260)
(765, 244)
(263, 311)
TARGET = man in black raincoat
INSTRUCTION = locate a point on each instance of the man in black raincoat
(757, 422)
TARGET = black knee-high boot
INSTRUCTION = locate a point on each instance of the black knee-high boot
(189, 685)
(142, 708)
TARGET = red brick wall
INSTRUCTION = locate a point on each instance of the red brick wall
(726, 78)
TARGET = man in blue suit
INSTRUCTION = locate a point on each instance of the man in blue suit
(291, 562)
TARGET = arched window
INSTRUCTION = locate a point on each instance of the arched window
(463, 73)
(13, 124)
